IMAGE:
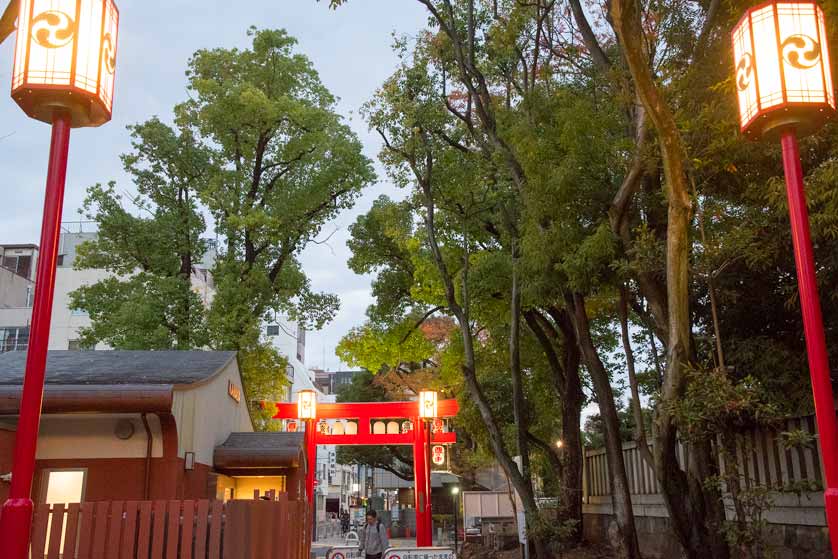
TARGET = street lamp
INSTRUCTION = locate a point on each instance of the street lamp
(307, 412)
(63, 74)
(559, 444)
(306, 404)
(785, 88)
(455, 493)
(428, 405)
(428, 410)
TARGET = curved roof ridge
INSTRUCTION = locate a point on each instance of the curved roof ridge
(120, 367)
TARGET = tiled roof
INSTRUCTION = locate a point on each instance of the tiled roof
(119, 367)
(259, 450)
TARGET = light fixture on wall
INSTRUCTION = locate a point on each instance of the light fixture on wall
(124, 429)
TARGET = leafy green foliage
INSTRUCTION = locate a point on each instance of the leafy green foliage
(260, 147)
(285, 164)
(149, 303)
(714, 403)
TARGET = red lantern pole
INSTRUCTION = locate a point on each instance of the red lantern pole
(813, 329)
(311, 459)
(421, 488)
(16, 514)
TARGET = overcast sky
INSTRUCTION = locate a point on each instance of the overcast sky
(350, 48)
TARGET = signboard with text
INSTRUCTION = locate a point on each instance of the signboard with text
(344, 552)
(419, 553)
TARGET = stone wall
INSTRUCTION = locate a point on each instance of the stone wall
(657, 540)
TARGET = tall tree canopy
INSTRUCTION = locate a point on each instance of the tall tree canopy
(260, 148)
(577, 183)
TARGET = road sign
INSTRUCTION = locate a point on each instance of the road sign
(419, 553)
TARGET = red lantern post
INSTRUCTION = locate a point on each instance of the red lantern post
(64, 66)
(785, 88)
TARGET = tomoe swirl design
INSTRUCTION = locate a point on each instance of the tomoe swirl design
(53, 29)
(108, 53)
(744, 69)
(801, 51)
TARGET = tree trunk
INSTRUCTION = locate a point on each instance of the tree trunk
(686, 499)
(568, 388)
(461, 312)
(636, 408)
(627, 546)
(573, 456)
(519, 405)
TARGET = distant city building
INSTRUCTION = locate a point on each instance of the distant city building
(20, 259)
(330, 382)
(18, 263)
(289, 338)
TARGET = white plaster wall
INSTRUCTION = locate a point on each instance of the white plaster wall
(18, 317)
(206, 414)
(13, 289)
(65, 324)
(80, 436)
(286, 343)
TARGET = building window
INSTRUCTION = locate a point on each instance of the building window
(301, 344)
(21, 265)
(273, 330)
(65, 486)
(14, 339)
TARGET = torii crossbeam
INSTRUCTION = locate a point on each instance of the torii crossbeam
(366, 414)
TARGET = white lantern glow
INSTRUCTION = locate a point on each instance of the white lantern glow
(307, 404)
(427, 404)
(783, 75)
(65, 59)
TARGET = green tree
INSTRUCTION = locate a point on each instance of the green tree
(260, 147)
(284, 164)
(148, 302)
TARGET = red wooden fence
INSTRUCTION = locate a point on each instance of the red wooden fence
(172, 530)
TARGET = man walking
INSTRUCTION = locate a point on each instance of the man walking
(372, 540)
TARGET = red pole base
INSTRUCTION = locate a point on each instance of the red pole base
(830, 498)
(15, 522)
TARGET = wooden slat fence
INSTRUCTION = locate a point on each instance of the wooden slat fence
(762, 458)
(172, 530)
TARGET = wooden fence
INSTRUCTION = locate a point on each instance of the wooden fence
(172, 530)
(762, 460)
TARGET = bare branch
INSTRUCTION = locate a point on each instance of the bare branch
(421, 321)
(7, 20)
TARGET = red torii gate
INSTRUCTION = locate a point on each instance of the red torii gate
(366, 413)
